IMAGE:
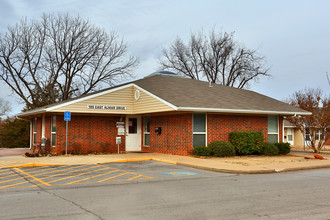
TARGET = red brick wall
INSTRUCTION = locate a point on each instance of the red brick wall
(280, 128)
(91, 133)
(176, 136)
(219, 126)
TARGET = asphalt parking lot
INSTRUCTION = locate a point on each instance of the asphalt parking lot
(156, 190)
(48, 176)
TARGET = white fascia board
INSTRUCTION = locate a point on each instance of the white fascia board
(88, 97)
(156, 97)
(241, 111)
(31, 112)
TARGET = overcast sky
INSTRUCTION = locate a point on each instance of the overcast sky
(294, 36)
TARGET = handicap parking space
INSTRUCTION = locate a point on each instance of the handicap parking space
(48, 176)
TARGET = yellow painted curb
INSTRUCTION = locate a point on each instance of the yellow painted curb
(165, 161)
(129, 160)
(31, 165)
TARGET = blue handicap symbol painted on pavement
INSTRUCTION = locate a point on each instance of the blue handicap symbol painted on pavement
(180, 173)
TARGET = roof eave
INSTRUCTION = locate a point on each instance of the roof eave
(31, 112)
(242, 111)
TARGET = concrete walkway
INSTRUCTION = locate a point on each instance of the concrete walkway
(251, 164)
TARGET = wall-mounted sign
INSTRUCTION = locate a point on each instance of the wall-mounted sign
(120, 127)
(106, 107)
(120, 124)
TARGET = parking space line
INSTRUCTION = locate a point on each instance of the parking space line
(6, 172)
(33, 177)
(4, 181)
(15, 184)
(113, 171)
(66, 168)
(80, 174)
(100, 181)
(1, 177)
(59, 174)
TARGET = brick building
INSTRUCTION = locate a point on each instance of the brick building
(161, 113)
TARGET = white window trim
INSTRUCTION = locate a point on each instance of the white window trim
(52, 132)
(145, 132)
(278, 127)
(34, 132)
(318, 134)
(31, 133)
(200, 132)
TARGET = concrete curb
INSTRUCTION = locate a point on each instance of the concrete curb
(264, 171)
(31, 165)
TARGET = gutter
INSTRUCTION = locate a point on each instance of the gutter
(244, 111)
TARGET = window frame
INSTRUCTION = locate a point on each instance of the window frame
(34, 132)
(318, 134)
(53, 132)
(278, 129)
(145, 132)
(199, 132)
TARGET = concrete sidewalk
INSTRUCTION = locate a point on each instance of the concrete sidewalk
(251, 164)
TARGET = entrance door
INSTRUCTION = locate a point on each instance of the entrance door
(290, 135)
(133, 133)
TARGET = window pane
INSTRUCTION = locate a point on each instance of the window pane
(35, 125)
(132, 125)
(290, 137)
(199, 122)
(34, 138)
(317, 136)
(272, 124)
(54, 123)
(53, 139)
(147, 139)
(307, 137)
(199, 140)
(147, 123)
(272, 138)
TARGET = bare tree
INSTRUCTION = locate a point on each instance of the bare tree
(60, 57)
(327, 78)
(4, 107)
(314, 101)
(216, 57)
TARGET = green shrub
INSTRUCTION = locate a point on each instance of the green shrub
(283, 148)
(246, 142)
(269, 149)
(14, 133)
(202, 151)
(222, 149)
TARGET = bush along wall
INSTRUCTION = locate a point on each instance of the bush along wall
(283, 148)
(246, 142)
(269, 149)
(222, 149)
(202, 151)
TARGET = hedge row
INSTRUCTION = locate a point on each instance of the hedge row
(243, 143)
(217, 149)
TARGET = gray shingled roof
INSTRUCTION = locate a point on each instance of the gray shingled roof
(183, 92)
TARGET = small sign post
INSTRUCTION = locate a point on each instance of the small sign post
(67, 117)
(118, 141)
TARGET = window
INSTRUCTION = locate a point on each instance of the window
(318, 134)
(307, 134)
(272, 128)
(53, 131)
(199, 129)
(147, 130)
(34, 130)
(132, 125)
